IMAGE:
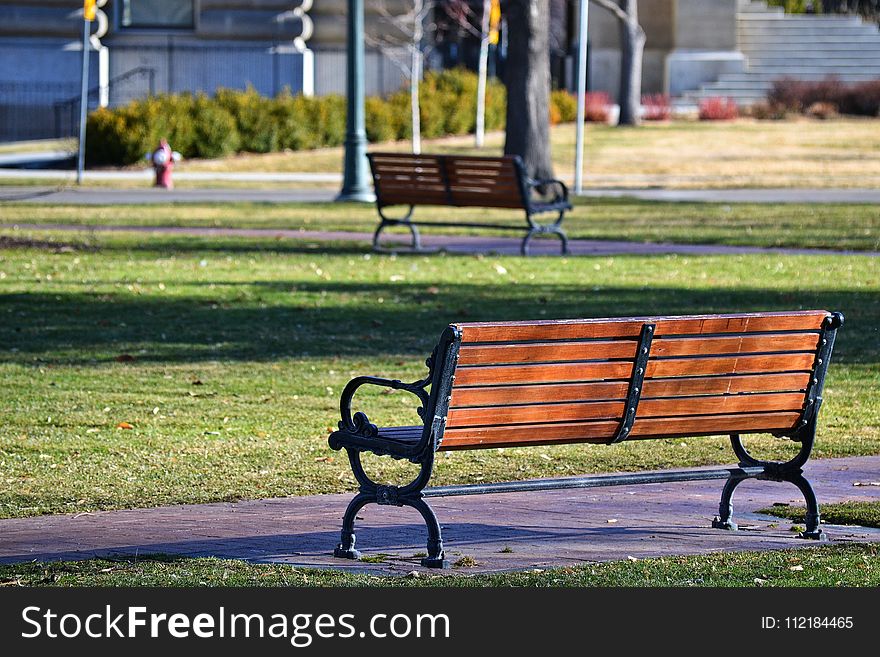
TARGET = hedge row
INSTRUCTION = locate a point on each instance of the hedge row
(858, 98)
(244, 121)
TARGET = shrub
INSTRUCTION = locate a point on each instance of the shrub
(822, 111)
(656, 107)
(597, 106)
(496, 105)
(764, 110)
(563, 107)
(718, 109)
(105, 138)
(215, 133)
(295, 117)
(861, 98)
(797, 95)
(379, 120)
(401, 114)
(331, 110)
(232, 121)
(796, 6)
(257, 124)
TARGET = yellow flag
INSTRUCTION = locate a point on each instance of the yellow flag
(89, 9)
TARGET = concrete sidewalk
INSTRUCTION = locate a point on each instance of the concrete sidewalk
(500, 532)
(459, 244)
(67, 194)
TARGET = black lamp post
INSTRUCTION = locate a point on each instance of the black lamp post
(355, 183)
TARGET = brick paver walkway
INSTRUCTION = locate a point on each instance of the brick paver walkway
(501, 532)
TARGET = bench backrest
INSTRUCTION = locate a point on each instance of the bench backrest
(549, 382)
(456, 180)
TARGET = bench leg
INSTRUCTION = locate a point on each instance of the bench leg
(724, 519)
(812, 531)
(789, 471)
(345, 549)
(436, 556)
(409, 495)
(544, 229)
(405, 221)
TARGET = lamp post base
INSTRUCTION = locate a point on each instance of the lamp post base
(356, 196)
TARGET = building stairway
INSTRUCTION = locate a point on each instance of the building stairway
(805, 47)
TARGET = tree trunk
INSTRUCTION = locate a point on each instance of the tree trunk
(528, 85)
(632, 39)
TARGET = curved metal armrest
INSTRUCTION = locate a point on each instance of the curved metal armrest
(359, 422)
(563, 196)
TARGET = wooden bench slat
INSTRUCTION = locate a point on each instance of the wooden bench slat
(532, 394)
(554, 372)
(390, 183)
(532, 434)
(714, 425)
(788, 362)
(544, 413)
(396, 184)
(548, 352)
(502, 160)
(734, 384)
(603, 431)
(592, 371)
(488, 177)
(505, 415)
(478, 201)
(545, 330)
(723, 404)
(490, 190)
(653, 388)
(744, 344)
(545, 352)
(411, 198)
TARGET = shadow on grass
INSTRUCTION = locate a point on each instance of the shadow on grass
(265, 320)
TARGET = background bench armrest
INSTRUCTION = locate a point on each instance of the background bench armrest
(544, 183)
(359, 423)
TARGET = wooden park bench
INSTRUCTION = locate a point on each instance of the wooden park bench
(515, 384)
(465, 182)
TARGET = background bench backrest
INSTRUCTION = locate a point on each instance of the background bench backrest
(548, 382)
(462, 181)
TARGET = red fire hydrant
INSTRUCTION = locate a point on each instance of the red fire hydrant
(163, 159)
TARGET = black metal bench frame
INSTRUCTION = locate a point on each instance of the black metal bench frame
(560, 205)
(357, 434)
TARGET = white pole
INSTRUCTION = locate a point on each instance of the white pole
(83, 103)
(480, 132)
(583, 15)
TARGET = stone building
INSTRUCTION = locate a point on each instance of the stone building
(694, 47)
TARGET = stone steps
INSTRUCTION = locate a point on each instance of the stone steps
(805, 47)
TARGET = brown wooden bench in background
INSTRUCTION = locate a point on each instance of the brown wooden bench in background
(513, 384)
(464, 182)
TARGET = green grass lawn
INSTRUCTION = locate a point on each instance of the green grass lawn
(226, 357)
(849, 565)
(836, 226)
(864, 514)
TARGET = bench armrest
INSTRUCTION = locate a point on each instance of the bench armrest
(359, 423)
(562, 194)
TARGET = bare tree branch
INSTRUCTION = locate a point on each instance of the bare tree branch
(613, 7)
